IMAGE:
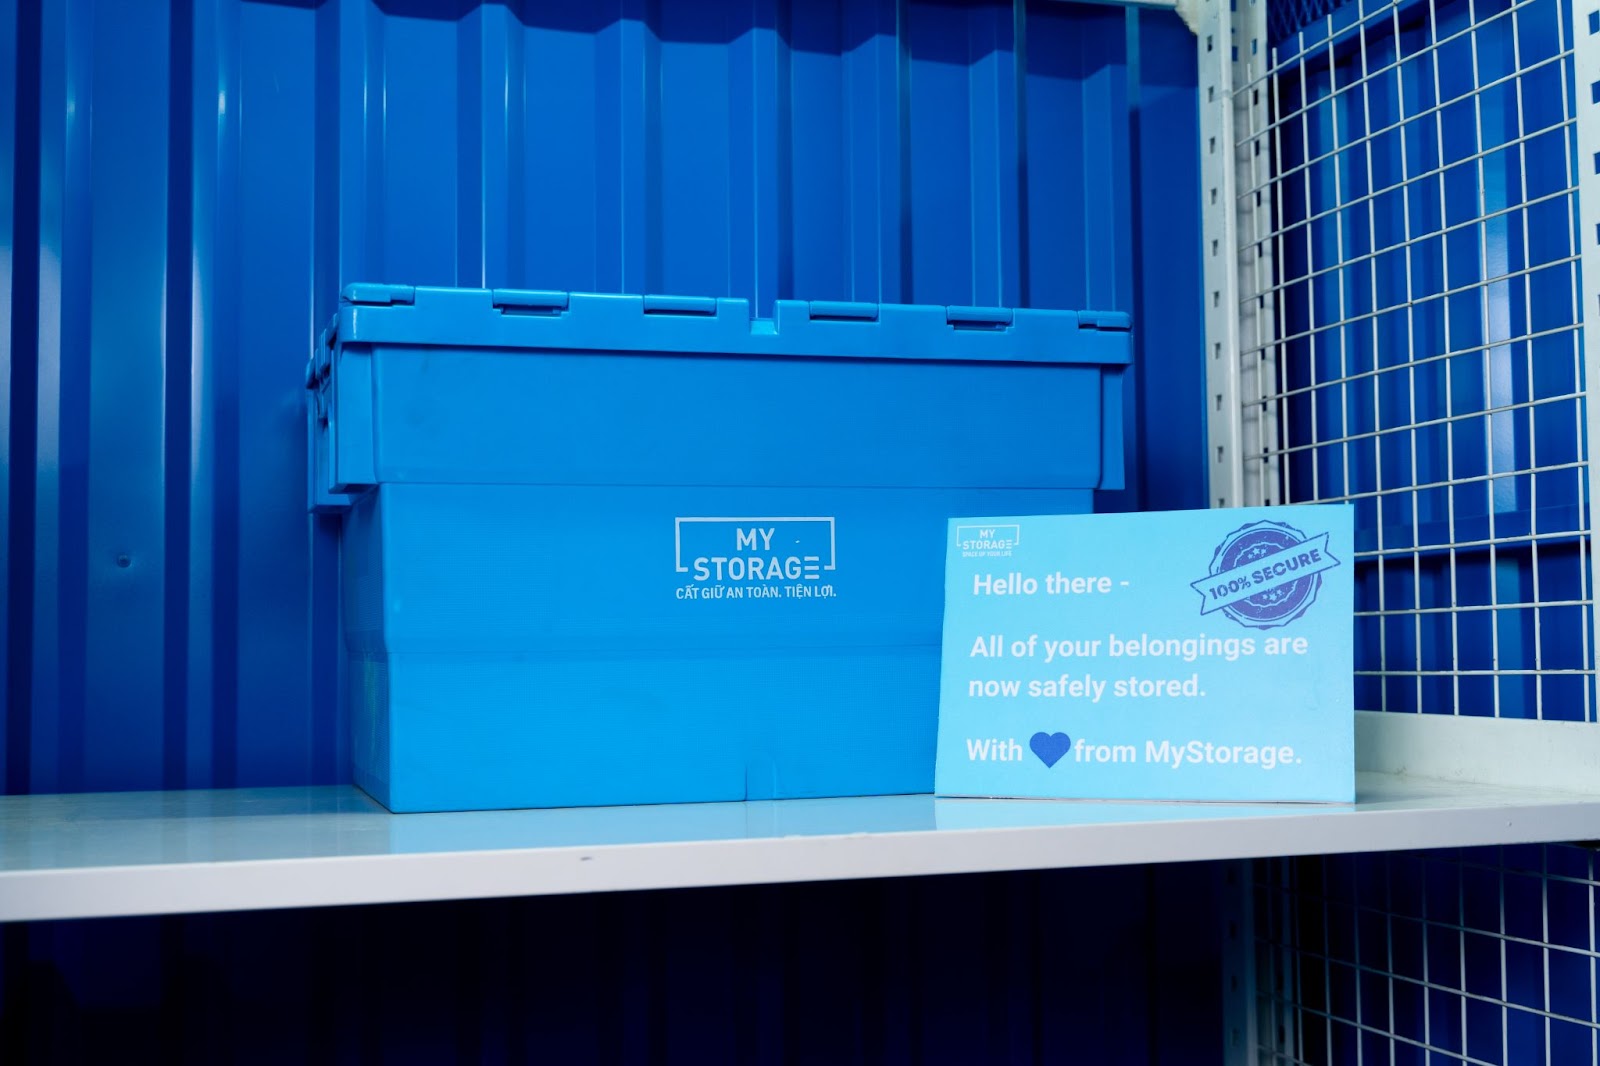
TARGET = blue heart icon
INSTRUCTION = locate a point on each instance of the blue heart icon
(1050, 747)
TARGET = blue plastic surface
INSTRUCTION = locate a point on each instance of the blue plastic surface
(560, 588)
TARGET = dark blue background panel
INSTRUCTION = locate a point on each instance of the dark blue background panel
(185, 188)
(1084, 967)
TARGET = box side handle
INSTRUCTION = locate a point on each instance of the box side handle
(841, 311)
(680, 305)
(530, 301)
(996, 319)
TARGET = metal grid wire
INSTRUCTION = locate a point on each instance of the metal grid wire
(1413, 339)
(1484, 956)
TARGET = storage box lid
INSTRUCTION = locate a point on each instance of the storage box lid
(513, 318)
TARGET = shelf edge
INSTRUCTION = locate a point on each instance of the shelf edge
(182, 888)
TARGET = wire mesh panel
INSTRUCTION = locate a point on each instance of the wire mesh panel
(1484, 956)
(1410, 272)
(1417, 342)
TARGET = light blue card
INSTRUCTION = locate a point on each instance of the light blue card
(1184, 655)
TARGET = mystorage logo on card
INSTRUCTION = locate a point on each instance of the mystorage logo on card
(991, 541)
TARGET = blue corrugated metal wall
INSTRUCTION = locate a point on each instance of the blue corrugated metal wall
(186, 186)
(192, 183)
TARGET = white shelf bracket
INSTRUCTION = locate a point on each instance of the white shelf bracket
(1232, 46)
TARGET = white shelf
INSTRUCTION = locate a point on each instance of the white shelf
(181, 852)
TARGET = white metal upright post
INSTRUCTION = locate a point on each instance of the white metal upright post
(1241, 357)
(1241, 323)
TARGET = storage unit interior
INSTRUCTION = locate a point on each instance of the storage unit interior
(188, 186)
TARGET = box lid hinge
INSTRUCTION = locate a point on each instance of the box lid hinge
(992, 318)
(841, 311)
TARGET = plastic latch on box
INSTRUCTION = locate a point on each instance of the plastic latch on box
(371, 295)
(992, 318)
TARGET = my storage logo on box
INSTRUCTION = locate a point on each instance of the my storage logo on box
(991, 541)
(737, 558)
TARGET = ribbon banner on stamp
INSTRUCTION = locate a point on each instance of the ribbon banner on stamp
(1265, 574)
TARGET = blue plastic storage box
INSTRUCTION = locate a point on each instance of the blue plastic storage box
(619, 549)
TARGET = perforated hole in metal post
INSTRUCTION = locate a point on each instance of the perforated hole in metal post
(1422, 347)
